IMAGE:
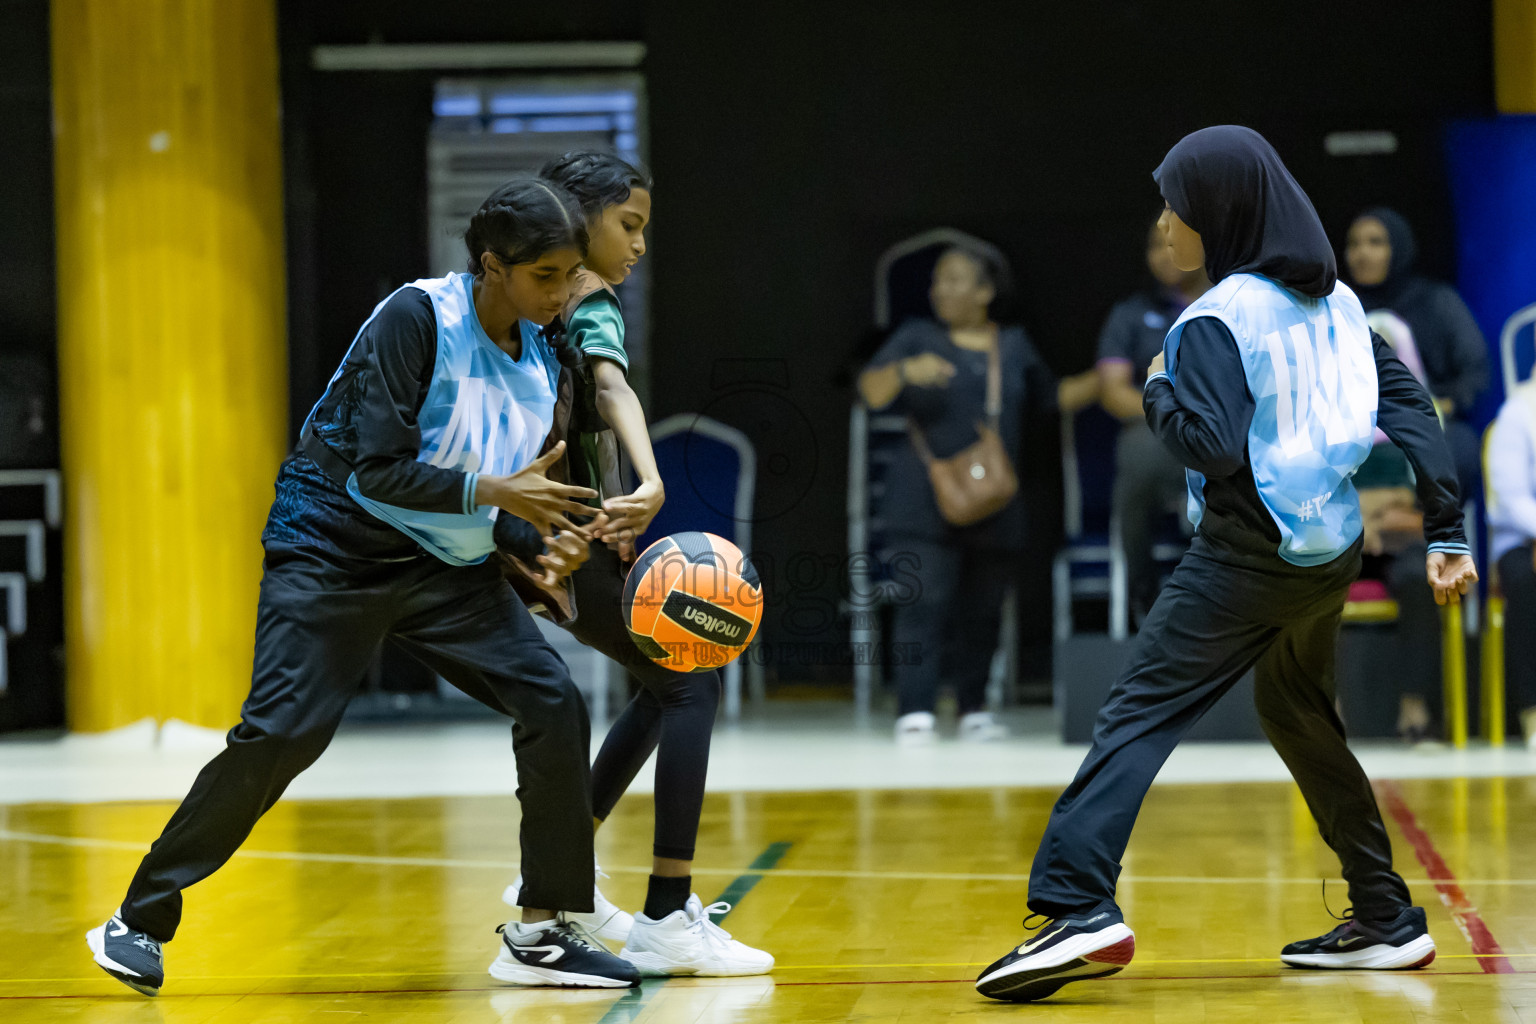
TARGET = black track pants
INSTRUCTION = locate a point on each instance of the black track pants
(1210, 624)
(321, 615)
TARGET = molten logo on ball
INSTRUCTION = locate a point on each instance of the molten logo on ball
(693, 602)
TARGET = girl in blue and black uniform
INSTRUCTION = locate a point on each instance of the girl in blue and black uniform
(1268, 389)
(672, 713)
(382, 525)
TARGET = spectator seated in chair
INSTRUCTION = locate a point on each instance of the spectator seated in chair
(1394, 553)
(1149, 481)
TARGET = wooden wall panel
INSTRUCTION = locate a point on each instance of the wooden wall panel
(172, 350)
(1514, 50)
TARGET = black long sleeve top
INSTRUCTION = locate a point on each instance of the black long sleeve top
(368, 414)
(1205, 422)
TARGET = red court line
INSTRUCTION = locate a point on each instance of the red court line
(1122, 978)
(1489, 954)
(1119, 979)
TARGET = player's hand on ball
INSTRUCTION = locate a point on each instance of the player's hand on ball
(1156, 365)
(1450, 576)
(530, 494)
(630, 516)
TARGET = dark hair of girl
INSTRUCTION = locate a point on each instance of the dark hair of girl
(597, 180)
(991, 269)
(519, 222)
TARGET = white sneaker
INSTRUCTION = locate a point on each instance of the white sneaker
(982, 727)
(687, 942)
(606, 921)
(916, 729)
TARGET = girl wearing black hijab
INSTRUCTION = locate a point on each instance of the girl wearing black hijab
(1379, 255)
(1268, 389)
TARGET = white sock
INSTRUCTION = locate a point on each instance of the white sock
(528, 932)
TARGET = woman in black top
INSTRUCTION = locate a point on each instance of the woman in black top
(1379, 254)
(935, 373)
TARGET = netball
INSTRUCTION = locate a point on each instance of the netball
(693, 602)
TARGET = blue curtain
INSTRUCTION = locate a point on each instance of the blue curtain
(1492, 164)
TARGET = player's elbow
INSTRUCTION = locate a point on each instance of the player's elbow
(611, 396)
(375, 477)
(1218, 464)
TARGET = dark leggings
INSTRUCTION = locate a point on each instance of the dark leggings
(672, 710)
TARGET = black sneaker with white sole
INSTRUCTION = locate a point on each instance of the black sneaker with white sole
(559, 952)
(130, 956)
(1398, 945)
(1066, 949)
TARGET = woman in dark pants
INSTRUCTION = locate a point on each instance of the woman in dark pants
(1273, 386)
(383, 526)
(935, 373)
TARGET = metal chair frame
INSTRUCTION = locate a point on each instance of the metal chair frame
(741, 514)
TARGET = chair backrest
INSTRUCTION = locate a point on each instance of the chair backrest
(1087, 471)
(903, 273)
(1507, 337)
(710, 472)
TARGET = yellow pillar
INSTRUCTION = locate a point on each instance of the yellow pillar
(172, 348)
(1514, 56)
(1492, 664)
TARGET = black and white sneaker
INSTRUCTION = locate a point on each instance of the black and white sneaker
(130, 956)
(1066, 949)
(1399, 945)
(559, 952)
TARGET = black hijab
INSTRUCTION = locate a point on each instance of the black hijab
(1228, 184)
(1400, 277)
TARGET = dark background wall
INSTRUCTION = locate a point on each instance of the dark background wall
(792, 142)
(27, 305)
(28, 347)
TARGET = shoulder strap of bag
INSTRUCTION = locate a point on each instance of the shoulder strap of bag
(919, 442)
(995, 382)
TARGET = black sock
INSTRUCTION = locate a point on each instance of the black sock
(664, 895)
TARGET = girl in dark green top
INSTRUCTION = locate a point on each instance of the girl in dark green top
(672, 713)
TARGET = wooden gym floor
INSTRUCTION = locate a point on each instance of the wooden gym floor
(880, 906)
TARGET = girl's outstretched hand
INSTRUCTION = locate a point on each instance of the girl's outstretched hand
(530, 494)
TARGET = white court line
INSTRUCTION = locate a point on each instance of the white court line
(89, 842)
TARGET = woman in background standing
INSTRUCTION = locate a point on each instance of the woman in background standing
(935, 372)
